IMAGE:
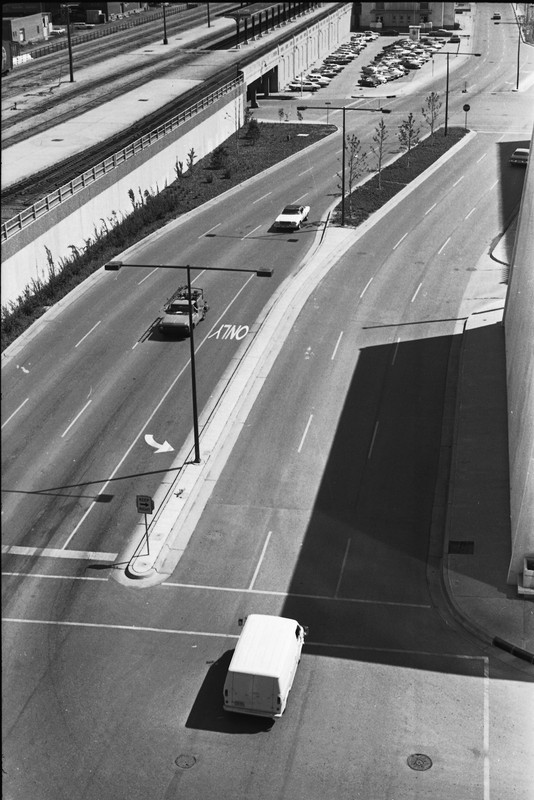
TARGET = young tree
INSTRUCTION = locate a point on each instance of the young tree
(356, 165)
(379, 139)
(254, 131)
(431, 110)
(408, 134)
(190, 160)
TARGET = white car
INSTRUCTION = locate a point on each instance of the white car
(292, 217)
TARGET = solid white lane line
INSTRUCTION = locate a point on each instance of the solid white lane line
(154, 412)
(372, 441)
(337, 345)
(52, 552)
(468, 215)
(342, 567)
(458, 181)
(366, 287)
(78, 415)
(54, 577)
(444, 245)
(395, 351)
(15, 412)
(261, 198)
(400, 240)
(416, 292)
(304, 434)
(481, 157)
(252, 582)
(147, 276)
(210, 230)
(251, 232)
(486, 729)
(88, 332)
(134, 628)
(430, 209)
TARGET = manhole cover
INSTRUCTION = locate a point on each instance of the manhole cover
(185, 762)
(419, 762)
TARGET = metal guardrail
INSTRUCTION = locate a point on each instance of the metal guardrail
(51, 201)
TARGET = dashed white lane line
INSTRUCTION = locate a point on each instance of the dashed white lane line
(444, 245)
(481, 157)
(493, 185)
(400, 240)
(78, 415)
(258, 566)
(416, 292)
(210, 230)
(148, 276)
(395, 351)
(259, 199)
(251, 232)
(342, 570)
(366, 287)
(468, 215)
(369, 452)
(305, 433)
(88, 333)
(430, 209)
(52, 552)
(15, 412)
(458, 181)
(336, 347)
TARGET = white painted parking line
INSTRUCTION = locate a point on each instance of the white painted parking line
(78, 415)
(15, 412)
(304, 434)
(430, 209)
(253, 581)
(261, 198)
(87, 334)
(147, 276)
(444, 245)
(366, 287)
(52, 552)
(458, 181)
(337, 345)
(416, 293)
(468, 215)
(210, 230)
(400, 240)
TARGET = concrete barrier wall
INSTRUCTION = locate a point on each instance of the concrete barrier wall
(24, 256)
(519, 337)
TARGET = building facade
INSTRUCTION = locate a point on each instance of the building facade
(399, 16)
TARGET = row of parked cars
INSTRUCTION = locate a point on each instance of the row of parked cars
(333, 64)
(398, 58)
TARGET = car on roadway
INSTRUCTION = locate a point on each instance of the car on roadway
(455, 40)
(496, 16)
(291, 217)
(520, 156)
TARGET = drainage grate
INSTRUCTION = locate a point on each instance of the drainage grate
(185, 761)
(419, 762)
(461, 548)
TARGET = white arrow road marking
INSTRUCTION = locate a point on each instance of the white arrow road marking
(160, 448)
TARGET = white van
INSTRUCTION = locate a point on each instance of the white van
(263, 665)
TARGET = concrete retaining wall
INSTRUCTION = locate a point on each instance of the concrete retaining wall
(519, 338)
(24, 256)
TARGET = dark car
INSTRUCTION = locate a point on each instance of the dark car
(369, 81)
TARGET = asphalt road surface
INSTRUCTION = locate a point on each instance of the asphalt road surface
(325, 512)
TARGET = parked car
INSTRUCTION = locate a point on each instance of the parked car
(455, 40)
(520, 156)
(368, 80)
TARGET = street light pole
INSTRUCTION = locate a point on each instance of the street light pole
(165, 41)
(477, 55)
(266, 272)
(518, 48)
(67, 6)
(343, 108)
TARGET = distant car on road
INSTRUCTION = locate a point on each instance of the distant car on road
(455, 40)
(520, 156)
(292, 217)
(496, 16)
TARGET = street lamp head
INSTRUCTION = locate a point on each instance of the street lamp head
(113, 266)
(302, 108)
(266, 272)
(385, 110)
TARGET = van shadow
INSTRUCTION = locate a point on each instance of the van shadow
(208, 714)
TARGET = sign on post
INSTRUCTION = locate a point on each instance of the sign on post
(145, 504)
